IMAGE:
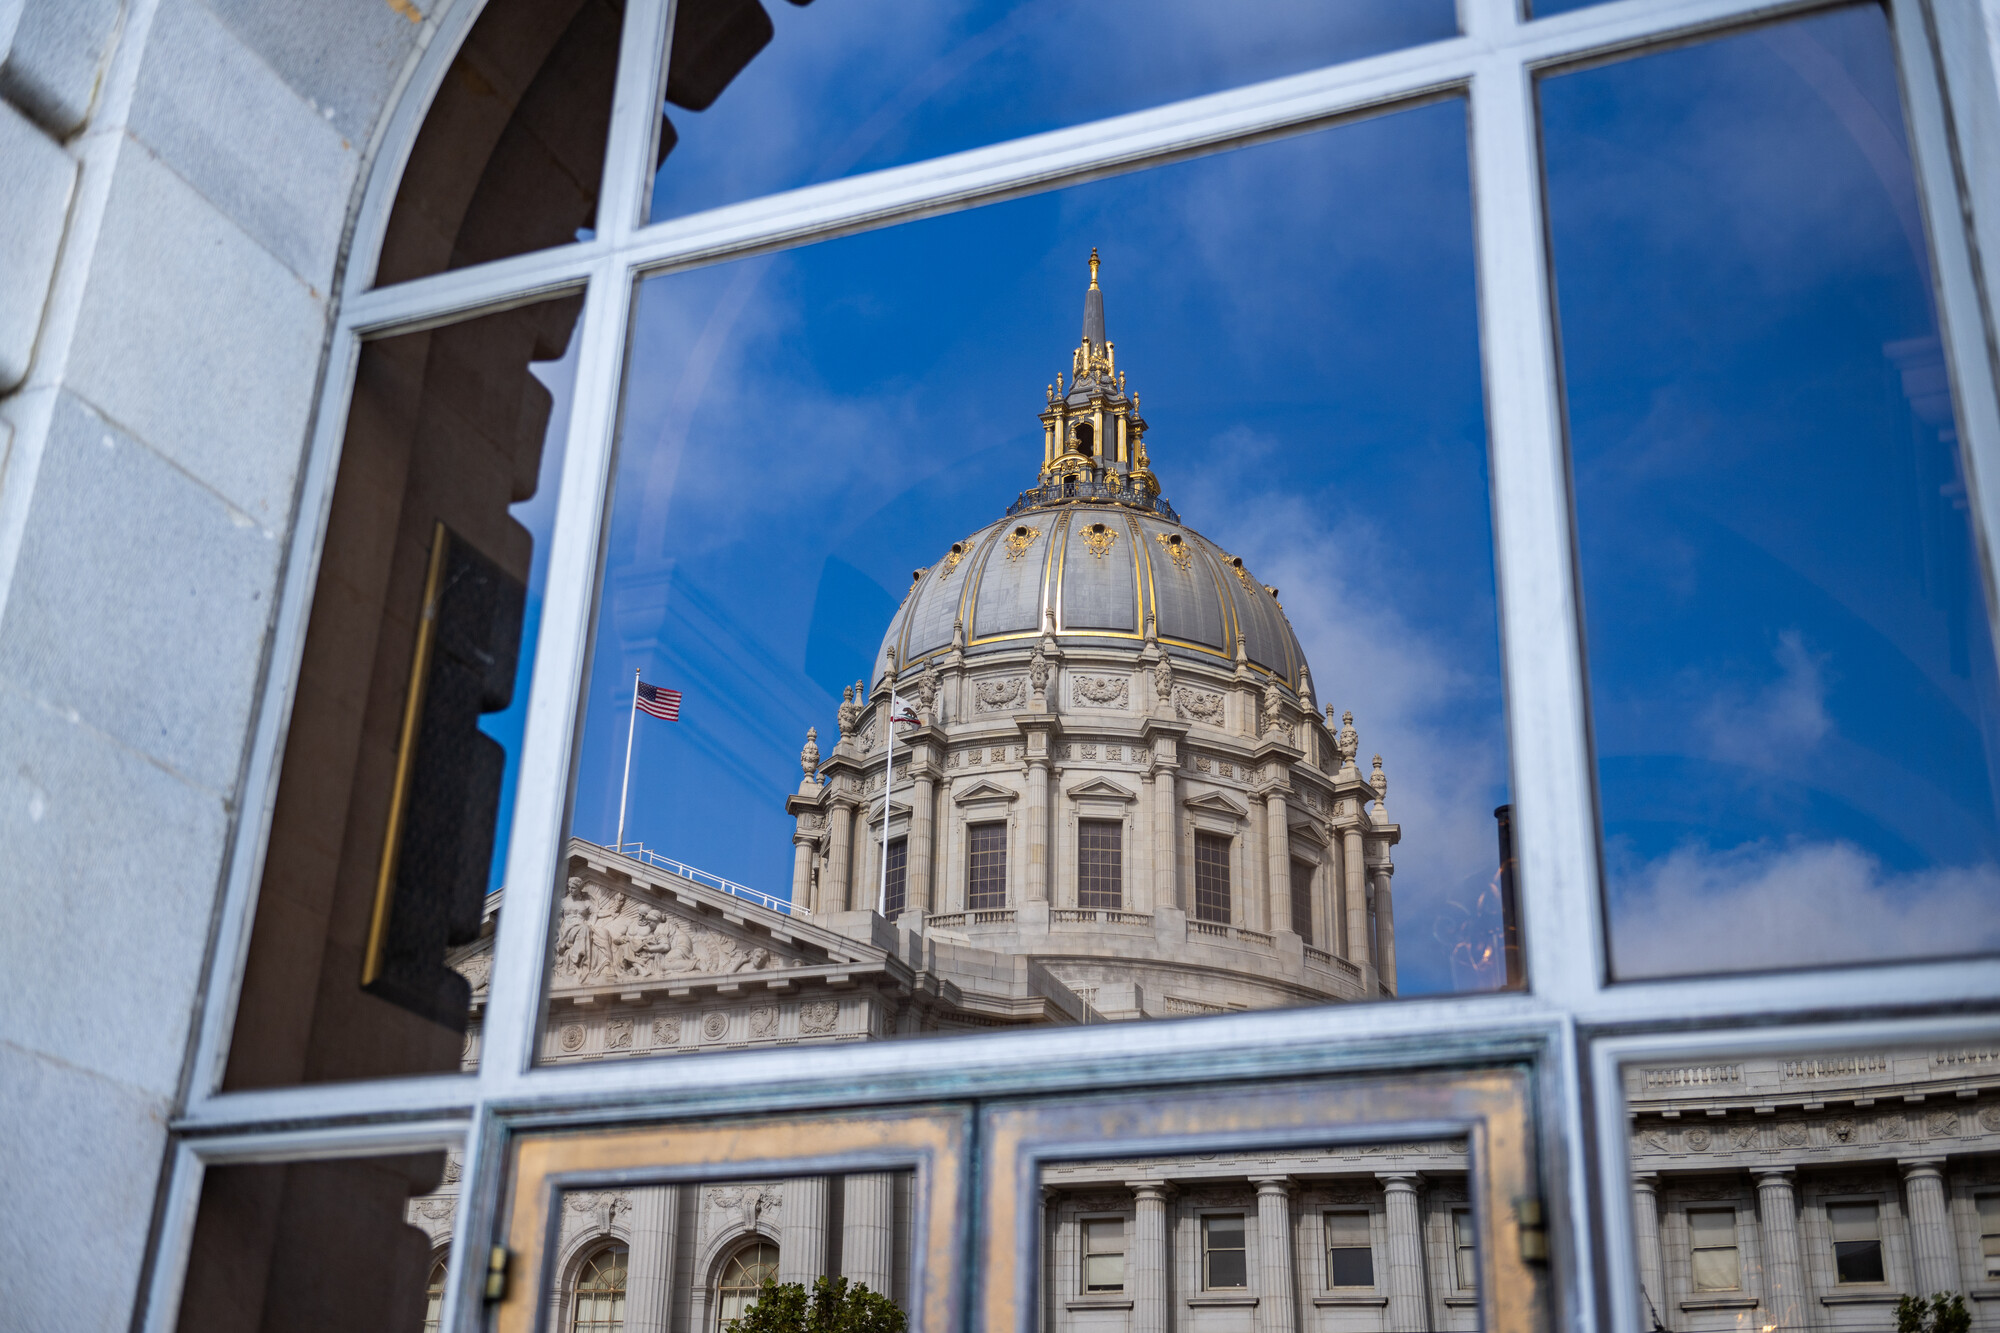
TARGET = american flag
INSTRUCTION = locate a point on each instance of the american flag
(656, 701)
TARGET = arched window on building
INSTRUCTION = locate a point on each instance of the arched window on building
(434, 1297)
(597, 1300)
(743, 1277)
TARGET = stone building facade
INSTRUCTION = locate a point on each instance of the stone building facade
(1814, 1192)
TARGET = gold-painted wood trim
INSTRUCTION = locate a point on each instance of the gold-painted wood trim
(406, 754)
(933, 1140)
(1489, 1107)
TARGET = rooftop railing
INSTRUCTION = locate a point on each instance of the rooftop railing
(638, 851)
(1072, 489)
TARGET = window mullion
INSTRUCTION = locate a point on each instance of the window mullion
(635, 116)
(561, 658)
(1955, 147)
(1540, 628)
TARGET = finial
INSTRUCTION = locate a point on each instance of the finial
(1093, 266)
(809, 756)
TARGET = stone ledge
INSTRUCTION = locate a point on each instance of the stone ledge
(1350, 1302)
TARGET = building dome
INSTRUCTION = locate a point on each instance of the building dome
(1092, 551)
(1101, 571)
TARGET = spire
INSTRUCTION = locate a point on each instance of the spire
(1093, 311)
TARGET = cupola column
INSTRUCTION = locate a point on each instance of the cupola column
(1357, 896)
(1385, 928)
(1038, 828)
(1278, 847)
(917, 865)
(1166, 805)
(839, 852)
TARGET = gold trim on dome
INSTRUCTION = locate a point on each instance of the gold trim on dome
(1098, 537)
(951, 560)
(1178, 549)
(1242, 574)
(1020, 539)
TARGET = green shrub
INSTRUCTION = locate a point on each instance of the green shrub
(1942, 1313)
(833, 1307)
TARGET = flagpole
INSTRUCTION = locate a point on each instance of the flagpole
(631, 722)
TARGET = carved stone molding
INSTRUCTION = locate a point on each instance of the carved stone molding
(1001, 695)
(818, 1016)
(1102, 691)
(1197, 705)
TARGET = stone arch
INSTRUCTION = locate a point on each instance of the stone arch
(708, 1267)
(570, 1261)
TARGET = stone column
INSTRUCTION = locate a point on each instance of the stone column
(868, 1235)
(1250, 892)
(1038, 830)
(1930, 1226)
(802, 1232)
(1646, 1240)
(1278, 846)
(1277, 1295)
(649, 1271)
(1139, 887)
(802, 870)
(1357, 897)
(1406, 1252)
(1784, 1266)
(1385, 927)
(917, 855)
(839, 851)
(1166, 882)
(1150, 1259)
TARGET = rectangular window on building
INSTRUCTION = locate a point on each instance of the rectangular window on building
(1857, 1241)
(1100, 846)
(1465, 1249)
(1223, 1263)
(1350, 1257)
(1989, 1234)
(1302, 900)
(1712, 1249)
(986, 866)
(897, 880)
(1104, 1254)
(1211, 877)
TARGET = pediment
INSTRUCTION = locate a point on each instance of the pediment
(1216, 803)
(985, 789)
(1101, 789)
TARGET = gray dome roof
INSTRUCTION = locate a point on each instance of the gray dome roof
(1102, 568)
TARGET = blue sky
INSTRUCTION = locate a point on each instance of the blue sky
(802, 430)
(1792, 676)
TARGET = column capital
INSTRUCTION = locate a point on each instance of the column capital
(1647, 1182)
(1774, 1175)
(1274, 1185)
(1151, 1190)
(1919, 1167)
(1400, 1180)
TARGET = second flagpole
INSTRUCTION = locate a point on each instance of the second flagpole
(631, 721)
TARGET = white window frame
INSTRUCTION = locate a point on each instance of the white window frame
(1574, 1024)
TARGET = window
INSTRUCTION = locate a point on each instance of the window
(1350, 1253)
(434, 1296)
(986, 856)
(1465, 1249)
(597, 1301)
(1100, 847)
(1104, 1254)
(1224, 1265)
(1857, 1241)
(1989, 1235)
(1211, 877)
(1712, 1249)
(743, 1277)
(897, 878)
(1302, 899)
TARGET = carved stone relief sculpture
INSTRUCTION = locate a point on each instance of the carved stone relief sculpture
(996, 696)
(1198, 705)
(1102, 691)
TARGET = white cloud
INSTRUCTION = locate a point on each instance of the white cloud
(1778, 725)
(1762, 906)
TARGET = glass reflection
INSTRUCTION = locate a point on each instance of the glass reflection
(768, 98)
(1120, 791)
(1791, 669)
(1375, 1236)
(1813, 1190)
(690, 1258)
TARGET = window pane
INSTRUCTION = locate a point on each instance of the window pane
(697, 1255)
(896, 878)
(512, 148)
(768, 97)
(369, 955)
(1786, 615)
(1223, 1258)
(318, 1247)
(800, 517)
(1466, 1247)
(1100, 851)
(1765, 1186)
(1302, 899)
